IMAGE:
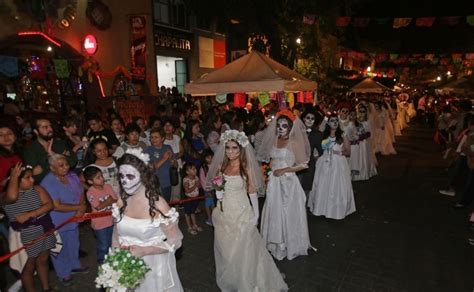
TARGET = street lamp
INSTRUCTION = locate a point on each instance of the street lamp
(369, 69)
(448, 73)
(298, 41)
(438, 78)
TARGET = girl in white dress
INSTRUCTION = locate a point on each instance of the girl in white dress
(332, 195)
(242, 261)
(368, 161)
(151, 232)
(284, 225)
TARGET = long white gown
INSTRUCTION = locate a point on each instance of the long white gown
(332, 195)
(242, 261)
(163, 232)
(284, 224)
(367, 162)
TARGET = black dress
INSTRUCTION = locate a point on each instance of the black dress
(315, 138)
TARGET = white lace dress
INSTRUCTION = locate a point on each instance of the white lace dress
(284, 224)
(242, 261)
(162, 232)
(332, 195)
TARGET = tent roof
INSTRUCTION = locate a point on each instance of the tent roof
(461, 85)
(253, 72)
(369, 86)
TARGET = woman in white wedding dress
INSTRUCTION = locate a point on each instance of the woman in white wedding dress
(332, 195)
(146, 225)
(284, 225)
(242, 261)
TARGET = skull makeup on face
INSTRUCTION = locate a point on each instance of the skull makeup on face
(333, 123)
(309, 120)
(283, 128)
(129, 178)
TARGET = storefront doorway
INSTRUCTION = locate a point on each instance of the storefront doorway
(172, 72)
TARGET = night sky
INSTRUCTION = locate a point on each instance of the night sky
(440, 38)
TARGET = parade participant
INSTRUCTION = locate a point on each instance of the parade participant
(145, 224)
(27, 207)
(242, 262)
(36, 154)
(332, 195)
(311, 120)
(284, 225)
(368, 161)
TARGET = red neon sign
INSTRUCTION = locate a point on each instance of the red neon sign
(90, 44)
(45, 36)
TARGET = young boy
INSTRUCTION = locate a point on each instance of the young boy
(101, 196)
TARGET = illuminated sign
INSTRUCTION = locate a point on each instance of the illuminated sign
(90, 44)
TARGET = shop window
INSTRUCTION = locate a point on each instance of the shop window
(161, 10)
(181, 75)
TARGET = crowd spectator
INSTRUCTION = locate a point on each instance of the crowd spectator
(36, 154)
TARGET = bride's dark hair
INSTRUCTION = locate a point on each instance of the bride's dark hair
(243, 163)
(149, 180)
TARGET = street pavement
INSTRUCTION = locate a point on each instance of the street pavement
(405, 236)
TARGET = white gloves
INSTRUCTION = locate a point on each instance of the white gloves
(256, 212)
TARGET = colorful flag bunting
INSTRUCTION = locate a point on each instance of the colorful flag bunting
(450, 20)
(343, 21)
(264, 98)
(290, 98)
(393, 56)
(360, 22)
(425, 21)
(309, 18)
(470, 20)
(401, 22)
(470, 56)
(382, 21)
(240, 99)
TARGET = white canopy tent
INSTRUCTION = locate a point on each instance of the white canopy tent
(368, 85)
(253, 72)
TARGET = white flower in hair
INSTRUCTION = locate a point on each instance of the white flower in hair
(138, 152)
(235, 135)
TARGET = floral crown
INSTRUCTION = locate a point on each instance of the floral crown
(138, 152)
(287, 113)
(235, 135)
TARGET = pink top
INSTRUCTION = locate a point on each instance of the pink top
(95, 197)
(191, 183)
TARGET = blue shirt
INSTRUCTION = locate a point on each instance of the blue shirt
(65, 193)
(163, 173)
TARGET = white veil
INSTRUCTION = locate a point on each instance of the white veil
(298, 142)
(253, 166)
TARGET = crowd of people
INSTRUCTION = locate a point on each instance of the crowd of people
(304, 157)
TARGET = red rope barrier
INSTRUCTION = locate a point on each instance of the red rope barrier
(87, 216)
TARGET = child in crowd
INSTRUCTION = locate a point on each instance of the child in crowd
(132, 135)
(161, 156)
(209, 201)
(101, 196)
(98, 155)
(191, 190)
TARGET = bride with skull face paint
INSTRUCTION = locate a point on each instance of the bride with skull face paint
(151, 233)
(332, 195)
(284, 225)
(242, 261)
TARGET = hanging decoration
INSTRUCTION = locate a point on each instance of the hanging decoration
(290, 98)
(425, 21)
(123, 86)
(99, 14)
(309, 19)
(61, 67)
(264, 98)
(401, 22)
(361, 21)
(68, 16)
(240, 99)
(138, 46)
(281, 99)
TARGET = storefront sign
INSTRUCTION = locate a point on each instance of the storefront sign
(138, 46)
(90, 44)
(172, 40)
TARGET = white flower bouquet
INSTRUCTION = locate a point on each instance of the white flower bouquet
(121, 271)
